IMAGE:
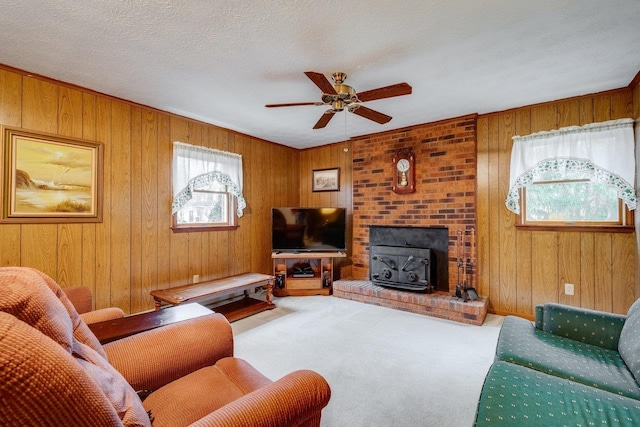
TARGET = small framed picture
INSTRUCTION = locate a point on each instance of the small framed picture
(50, 179)
(326, 179)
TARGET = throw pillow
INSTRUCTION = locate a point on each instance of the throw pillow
(629, 344)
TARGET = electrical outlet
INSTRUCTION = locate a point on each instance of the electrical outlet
(569, 288)
(196, 278)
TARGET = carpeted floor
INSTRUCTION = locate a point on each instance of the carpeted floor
(385, 367)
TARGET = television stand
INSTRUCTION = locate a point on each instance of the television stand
(303, 273)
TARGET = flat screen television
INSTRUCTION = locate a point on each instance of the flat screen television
(308, 229)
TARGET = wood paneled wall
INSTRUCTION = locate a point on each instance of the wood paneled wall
(133, 250)
(519, 269)
(330, 156)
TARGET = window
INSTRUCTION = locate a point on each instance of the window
(581, 202)
(207, 186)
(575, 177)
(209, 206)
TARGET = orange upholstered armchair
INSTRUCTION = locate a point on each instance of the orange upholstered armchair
(82, 300)
(55, 372)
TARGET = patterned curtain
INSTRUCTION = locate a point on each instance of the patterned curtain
(196, 167)
(601, 152)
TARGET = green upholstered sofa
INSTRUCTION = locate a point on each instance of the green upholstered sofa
(573, 367)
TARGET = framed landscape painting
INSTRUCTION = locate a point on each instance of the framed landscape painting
(326, 179)
(49, 179)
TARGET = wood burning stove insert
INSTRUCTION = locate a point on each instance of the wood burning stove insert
(412, 258)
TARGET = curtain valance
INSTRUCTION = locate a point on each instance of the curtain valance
(603, 152)
(196, 167)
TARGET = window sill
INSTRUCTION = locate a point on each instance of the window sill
(579, 228)
(196, 228)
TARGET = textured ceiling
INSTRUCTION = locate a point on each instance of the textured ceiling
(221, 62)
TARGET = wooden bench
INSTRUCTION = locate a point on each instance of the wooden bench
(222, 287)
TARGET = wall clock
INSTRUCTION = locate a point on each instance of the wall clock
(404, 178)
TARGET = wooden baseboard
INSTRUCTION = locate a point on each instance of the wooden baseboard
(302, 292)
(531, 317)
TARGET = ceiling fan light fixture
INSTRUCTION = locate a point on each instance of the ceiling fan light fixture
(338, 105)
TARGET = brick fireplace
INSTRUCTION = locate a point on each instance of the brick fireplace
(445, 196)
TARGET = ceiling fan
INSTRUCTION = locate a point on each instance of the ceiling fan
(340, 96)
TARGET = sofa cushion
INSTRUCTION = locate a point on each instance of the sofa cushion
(513, 395)
(521, 343)
(42, 384)
(629, 344)
(182, 401)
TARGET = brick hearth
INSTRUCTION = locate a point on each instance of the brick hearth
(437, 304)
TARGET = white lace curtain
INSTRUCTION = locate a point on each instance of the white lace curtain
(604, 152)
(196, 167)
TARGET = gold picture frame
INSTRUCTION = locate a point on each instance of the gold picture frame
(49, 178)
(326, 180)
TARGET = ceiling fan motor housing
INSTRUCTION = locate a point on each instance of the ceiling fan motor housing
(344, 93)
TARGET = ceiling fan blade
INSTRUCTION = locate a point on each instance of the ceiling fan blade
(322, 82)
(324, 119)
(293, 104)
(385, 92)
(370, 114)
